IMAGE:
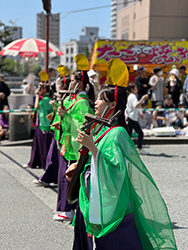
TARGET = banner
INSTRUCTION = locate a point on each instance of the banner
(139, 52)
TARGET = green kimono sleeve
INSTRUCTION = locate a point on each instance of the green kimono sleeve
(72, 121)
(120, 184)
(44, 109)
(57, 118)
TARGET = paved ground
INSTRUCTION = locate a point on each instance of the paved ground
(26, 210)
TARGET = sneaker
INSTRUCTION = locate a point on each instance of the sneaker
(64, 216)
(40, 183)
(26, 166)
(142, 152)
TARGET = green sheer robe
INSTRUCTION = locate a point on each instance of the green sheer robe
(44, 109)
(120, 184)
(57, 118)
(73, 120)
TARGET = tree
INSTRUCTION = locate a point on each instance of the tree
(36, 68)
(5, 32)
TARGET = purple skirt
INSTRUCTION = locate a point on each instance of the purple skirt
(63, 184)
(125, 237)
(52, 164)
(40, 147)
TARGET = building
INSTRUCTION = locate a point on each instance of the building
(152, 20)
(54, 34)
(15, 34)
(54, 27)
(74, 47)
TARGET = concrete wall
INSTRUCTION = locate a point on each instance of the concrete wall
(154, 20)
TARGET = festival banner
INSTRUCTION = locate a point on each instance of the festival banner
(139, 52)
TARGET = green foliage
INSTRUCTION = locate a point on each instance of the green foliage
(5, 32)
(11, 67)
(36, 68)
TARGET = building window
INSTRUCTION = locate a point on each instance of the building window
(134, 35)
(72, 50)
(67, 51)
(71, 59)
(67, 59)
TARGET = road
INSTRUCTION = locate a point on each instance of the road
(27, 211)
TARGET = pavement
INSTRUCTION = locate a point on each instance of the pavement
(26, 210)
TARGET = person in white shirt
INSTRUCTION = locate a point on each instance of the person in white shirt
(132, 111)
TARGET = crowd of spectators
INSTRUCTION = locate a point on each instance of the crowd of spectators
(176, 87)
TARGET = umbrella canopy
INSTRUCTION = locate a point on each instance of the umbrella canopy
(29, 48)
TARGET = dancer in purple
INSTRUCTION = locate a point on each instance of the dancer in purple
(43, 137)
(73, 118)
(52, 160)
(119, 202)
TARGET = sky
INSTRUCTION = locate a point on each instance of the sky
(23, 14)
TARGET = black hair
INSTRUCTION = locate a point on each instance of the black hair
(156, 70)
(30, 106)
(49, 90)
(65, 81)
(107, 95)
(81, 75)
(51, 69)
(3, 114)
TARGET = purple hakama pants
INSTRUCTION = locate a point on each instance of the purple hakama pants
(40, 147)
(125, 237)
(52, 164)
(63, 184)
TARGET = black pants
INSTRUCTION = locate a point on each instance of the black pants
(135, 125)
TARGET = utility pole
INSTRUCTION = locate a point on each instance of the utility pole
(47, 8)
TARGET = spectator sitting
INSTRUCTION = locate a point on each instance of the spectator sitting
(4, 123)
(142, 83)
(168, 103)
(160, 118)
(145, 118)
(181, 120)
(174, 86)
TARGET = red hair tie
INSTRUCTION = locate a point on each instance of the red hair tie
(116, 93)
(64, 80)
(82, 74)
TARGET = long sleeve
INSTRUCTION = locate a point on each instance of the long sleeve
(124, 186)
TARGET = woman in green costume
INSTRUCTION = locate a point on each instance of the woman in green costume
(73, 118)
(119, 202)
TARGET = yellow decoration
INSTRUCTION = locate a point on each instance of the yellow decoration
(43, 76)
(186, 71)
(82, 62)
(117, 73)
(63, 70)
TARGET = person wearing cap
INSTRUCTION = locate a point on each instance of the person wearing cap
(157, 86)
(142, 83)
(119, 202)
(183, 75)
(4, 92)
(174, 86)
